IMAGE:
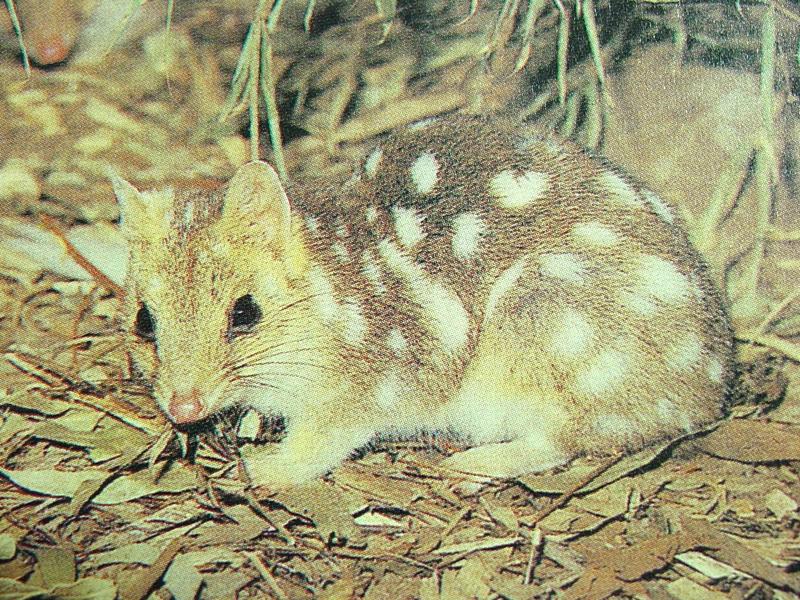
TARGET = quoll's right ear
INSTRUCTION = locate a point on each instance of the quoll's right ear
(143, 215)
(255, 197)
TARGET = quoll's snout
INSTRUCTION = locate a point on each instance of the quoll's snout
(186, 407)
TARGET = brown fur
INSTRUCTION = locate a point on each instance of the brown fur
(500, 384)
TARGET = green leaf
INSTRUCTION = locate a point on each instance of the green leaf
(50, 481)
(178, 478)
(90, 588)
(142, 553)
(11, 589)
(8, 547)
(183, 579)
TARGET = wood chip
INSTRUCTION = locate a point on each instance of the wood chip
(684, 588)
(751, 441)
(779, 503)
(478, 545)
(710, 567)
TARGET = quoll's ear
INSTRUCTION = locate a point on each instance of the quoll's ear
(255, 194)
(142, 214)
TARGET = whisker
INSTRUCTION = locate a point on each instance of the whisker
(238, 368)
(257, 352)
(256, 377)
(241, 383)
(266, 363)
(264, 374)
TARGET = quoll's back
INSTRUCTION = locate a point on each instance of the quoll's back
(475, 279)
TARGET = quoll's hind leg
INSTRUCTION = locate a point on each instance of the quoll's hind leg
(511, 411)
(503, 460)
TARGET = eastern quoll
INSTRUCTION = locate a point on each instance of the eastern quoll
(472, 279)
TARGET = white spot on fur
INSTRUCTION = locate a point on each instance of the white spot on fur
(372, 162)
(341, 230)
(188, 214)
(685, 353)
(323, 293)
(595, 233)
(614, 425)
(355, 325)
(526, 141)
(572, 335)
(504, 282)
(387, 391)
(342, 255)
(665, 409)
(312, 224)
(660, 279)
(446, 315)
(270, 286)
(638, 303)
(565, 266)
(604, 373)
(371, 214)
(516, 191)
(696, 289)
(353, 180)
(425, 173)
(715, 370)
(372, 272)
(155, 284)
(661, 208)
(396, 341)
(620, 189)
(220, 248)
(408, 226)
(467, 231)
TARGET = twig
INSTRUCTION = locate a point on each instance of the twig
(267, 82)
(533, 557)
(140, 585)
(563, 47)
(590, 25)
(266, 575)
(354, 554)
(308, 14)
(53, 227)
(252, 90)
(762, 327)
(26, 63)
(114, 408)
(785, 347)
(564, 498)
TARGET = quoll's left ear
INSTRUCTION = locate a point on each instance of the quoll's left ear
(256, 196)
(143, 215)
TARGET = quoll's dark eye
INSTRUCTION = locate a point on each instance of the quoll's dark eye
(245, 314)
(145, 327)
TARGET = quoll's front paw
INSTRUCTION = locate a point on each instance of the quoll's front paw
(270, 468)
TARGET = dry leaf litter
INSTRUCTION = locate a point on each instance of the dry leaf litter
(100, 499)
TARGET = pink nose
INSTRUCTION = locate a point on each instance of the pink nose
(186, 408)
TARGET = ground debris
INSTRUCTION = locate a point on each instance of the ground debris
(102, 499)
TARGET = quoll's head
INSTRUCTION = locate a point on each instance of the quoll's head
(212, 293)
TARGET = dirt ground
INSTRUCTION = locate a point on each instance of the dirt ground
(100, 498)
